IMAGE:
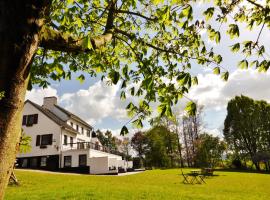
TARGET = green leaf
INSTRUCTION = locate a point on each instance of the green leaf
(186, 12)
(81, 78)
(233, 31)
(138, 123)
(123, 95)
(2, 95)
(195, 80)
(235, 47)
(209, 13)
(114, 76)
(216, 70)
(191, 108)
(124, 131)
(243, 64)
(87, 44)
(225, 76)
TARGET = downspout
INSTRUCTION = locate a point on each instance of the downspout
(60, 149)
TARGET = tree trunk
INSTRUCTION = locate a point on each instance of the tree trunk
(20, 23)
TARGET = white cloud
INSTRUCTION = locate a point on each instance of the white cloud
(214, 93)
(96, 103)
(37, 95)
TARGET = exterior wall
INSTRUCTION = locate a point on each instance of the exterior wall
(96, 153)
(113, 165)
(44, 126)
(99, 165)
(129, 164)
(122, 164)
(75, 157)
(82, 135)
(68, 134)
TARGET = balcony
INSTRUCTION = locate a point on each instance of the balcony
(90, 145)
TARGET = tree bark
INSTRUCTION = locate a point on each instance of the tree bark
(20, 23)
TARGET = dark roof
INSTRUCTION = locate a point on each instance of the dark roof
(75, 117)
(52, 116)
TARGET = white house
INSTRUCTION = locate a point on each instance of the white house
(63, 141)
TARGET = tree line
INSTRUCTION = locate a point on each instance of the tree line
(177, 142)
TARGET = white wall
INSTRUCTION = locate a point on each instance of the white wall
(96, 153)
(82, 135)
(99, 165)
(75, 157)
(44, 126)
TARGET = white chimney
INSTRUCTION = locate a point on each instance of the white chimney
(49, 102)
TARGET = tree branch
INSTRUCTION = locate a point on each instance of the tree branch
(55, 40)
(137, 14)
(256, 4)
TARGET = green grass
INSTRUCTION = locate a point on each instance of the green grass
(155, 184)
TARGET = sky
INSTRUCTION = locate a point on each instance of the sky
(100, 104)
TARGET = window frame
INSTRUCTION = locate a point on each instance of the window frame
(82, 156)
(65, 139)
(49, 142)
(42, 161)
(65, 160)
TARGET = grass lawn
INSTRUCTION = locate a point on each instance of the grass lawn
(155, 184)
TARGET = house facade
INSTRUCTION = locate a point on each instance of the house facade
(63, 141)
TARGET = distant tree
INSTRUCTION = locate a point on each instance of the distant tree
(209, 150)
(246, 127)
(139, 144)
(107, 140)
(162, 147)
(125, 146)
(191, 126)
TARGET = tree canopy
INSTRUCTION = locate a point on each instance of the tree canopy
(148, 46)
(246, 127)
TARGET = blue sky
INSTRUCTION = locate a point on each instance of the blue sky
(101, 106)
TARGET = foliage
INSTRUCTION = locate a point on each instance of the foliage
(154, 44)
(107, 140)
(209, 150)
(152, 184)
(139, 143)
(246, 127)
(25, 143)
(2, 94)
(162, 147)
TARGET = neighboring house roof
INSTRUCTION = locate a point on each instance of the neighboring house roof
(75, 117)
(52, 116)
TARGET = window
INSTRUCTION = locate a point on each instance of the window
(71, 124)
(24, 162)
(88, 133)
(82, 130)
(33, 162)
(77, 127)
(46, 139)
(71, 141)
(82, 160)
(29, 120)
(43, 162)
(67, 161)
(65, 140)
